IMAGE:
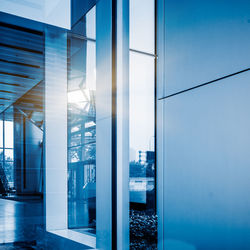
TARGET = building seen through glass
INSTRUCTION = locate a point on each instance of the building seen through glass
(124, 124)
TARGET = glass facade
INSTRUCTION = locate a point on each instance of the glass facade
(57, 127)
(59, 120)
(124, 124)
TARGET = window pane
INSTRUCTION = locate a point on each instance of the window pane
(141, 105)
(91, 23)
(9, 172)
(82, 130)
(142, 21)
(1, 133)
(8, 130)
(142, 155)
(86, 26)
(9, 155)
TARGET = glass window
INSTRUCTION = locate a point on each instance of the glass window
(82, 128)
(141, 104)
(86, 26)
(8, 155)
(8, 136)
(1, 154)
(142, 25)
(1, 133)
(8, 169)
(91, 23)
(142, 126)
(142, 151)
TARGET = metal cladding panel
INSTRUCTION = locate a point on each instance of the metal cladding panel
(204, 40)
(206, 166)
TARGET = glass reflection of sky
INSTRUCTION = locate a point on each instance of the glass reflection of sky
(142, 25)
(141, 102)
(141, 73)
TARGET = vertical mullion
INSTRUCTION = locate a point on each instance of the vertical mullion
(55, 129)
(114, 126)
(104, 125)
(122, 123)
(160, 51)
(155, 103)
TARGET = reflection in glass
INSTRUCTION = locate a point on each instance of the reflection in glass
(91, 23)
(141, 105)
(142, 126)
(8, 129)
(142, 31)
(8, 169)
(142, 151)
(86, 26)
(82, 126)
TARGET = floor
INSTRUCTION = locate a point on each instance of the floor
(20, 222)
(22, 227)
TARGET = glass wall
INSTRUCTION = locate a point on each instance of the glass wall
(82, 124)
(64, 61)
(142, 125)
(21, 94)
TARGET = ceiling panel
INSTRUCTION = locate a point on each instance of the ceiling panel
(21, 65)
